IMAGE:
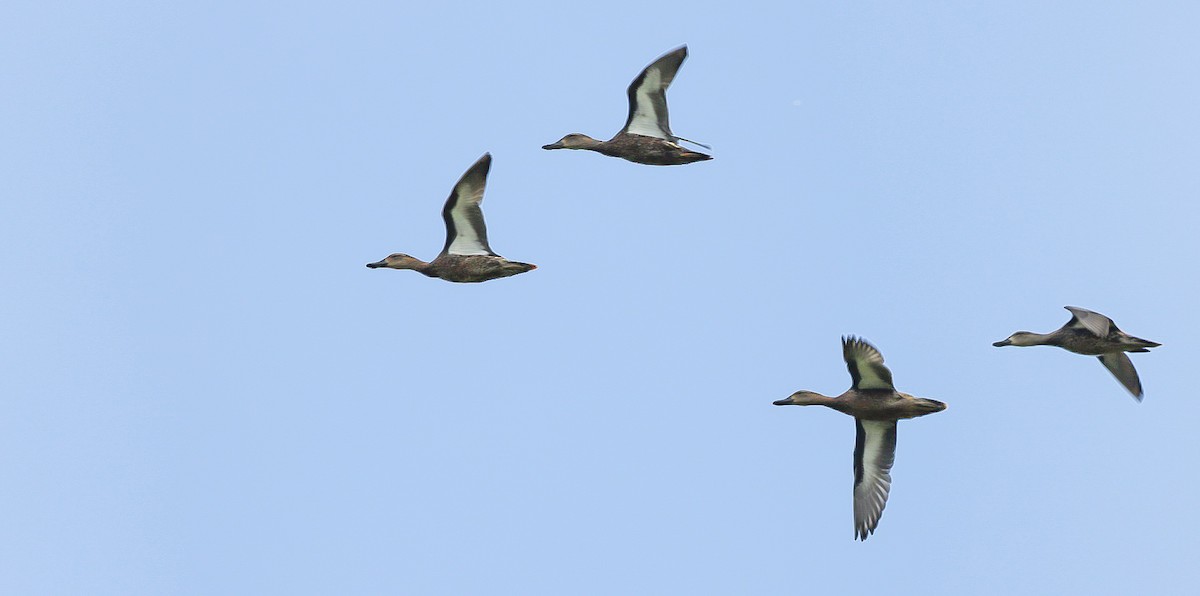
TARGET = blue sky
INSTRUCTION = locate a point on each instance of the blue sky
(206, 392)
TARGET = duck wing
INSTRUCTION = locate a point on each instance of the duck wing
(866, 365)
(1121, 367)
(874, 454)
(648, 97)
(466, 233)
(1093, 322)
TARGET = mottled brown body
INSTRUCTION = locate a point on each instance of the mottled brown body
(473, 268)
(1082, 342)
(880, 404)
(457, 268)
(651, 151)
(648, 150)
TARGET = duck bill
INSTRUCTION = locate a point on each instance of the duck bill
(377, 264)
(1002, 343)
(553, 146)
(783, 402)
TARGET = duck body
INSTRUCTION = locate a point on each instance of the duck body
(881, 404)
(876, 407)
(1081, 341)
(475, 268)
(466, 256)
(457, 268)
(651, 151)
(1092, 334)
(647, 137)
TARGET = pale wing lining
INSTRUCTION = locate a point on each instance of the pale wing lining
(645, 120)
(470, 232)
(876, 452)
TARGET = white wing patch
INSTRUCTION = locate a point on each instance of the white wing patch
(470, 233)
(871, 379)
(863, 358)
(645, 119)
(871, 493)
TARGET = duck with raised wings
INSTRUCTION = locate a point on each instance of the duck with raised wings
(876, 406)
(466, 257)
(1092, 334)
(647, 137)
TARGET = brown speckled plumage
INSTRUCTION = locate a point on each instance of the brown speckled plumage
(647, 150)
(468, 268)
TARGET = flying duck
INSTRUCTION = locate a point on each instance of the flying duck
(466, 257)
(876, 406)
(1092, 334)
(647, 136)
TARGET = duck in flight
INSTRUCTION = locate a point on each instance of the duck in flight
(647, 136)
(466, 257)
(876, 406)
(1092, 334)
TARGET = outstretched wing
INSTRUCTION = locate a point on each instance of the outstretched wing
(866, 365)
(1121, 367)
(1093, 322)
(466, 233)
(874, 454)
(648, 97)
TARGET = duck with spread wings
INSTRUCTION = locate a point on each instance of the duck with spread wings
(876, 406)
(1092, 334)
(646, 137)
(466, 257)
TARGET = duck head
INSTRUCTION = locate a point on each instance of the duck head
(802, 398)
(398, 261)
(1020, 338)
(573, 141)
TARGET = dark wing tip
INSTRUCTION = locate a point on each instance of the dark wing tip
(865, 360)
(478, 171)
(669, 63)
(851, 342)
